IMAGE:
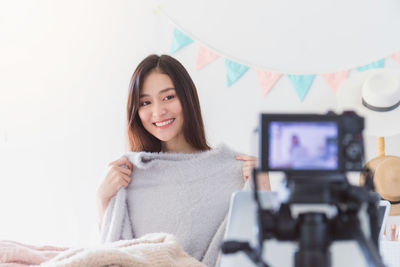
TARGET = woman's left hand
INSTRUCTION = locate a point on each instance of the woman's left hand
(250, 162)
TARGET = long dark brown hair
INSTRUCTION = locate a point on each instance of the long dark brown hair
(193, 129)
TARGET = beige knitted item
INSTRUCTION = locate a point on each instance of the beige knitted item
(157, 249)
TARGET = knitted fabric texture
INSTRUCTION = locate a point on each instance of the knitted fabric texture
(186, 195)
(152, 250)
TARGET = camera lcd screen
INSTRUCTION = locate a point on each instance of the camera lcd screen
(303, 145)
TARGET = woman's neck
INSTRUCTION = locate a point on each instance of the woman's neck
(177, 147)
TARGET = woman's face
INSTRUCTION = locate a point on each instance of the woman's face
(160, 109)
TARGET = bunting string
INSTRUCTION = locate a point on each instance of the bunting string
(236, 68)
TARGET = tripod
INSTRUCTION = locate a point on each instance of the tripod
(315, 231)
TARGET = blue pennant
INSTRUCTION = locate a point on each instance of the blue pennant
(301, 84)
(234, 71)
(180, 40)
(373, 65)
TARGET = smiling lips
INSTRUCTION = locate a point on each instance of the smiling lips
(163, 124)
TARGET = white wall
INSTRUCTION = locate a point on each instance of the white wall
(64, 72)
(65, 67)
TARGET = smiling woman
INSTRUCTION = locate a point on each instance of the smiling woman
(161, 111)
(163, 108)
(173, 181)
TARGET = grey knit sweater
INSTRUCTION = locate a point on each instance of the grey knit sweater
(186, 195)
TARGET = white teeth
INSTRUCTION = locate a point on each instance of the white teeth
(164, 123)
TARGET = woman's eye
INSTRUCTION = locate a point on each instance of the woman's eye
(169, 97)
(144, 103)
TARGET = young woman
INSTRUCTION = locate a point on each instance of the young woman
(165, 129)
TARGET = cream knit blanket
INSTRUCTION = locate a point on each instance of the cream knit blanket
(186, 195)
(152, 250)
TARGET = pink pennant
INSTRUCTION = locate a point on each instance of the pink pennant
(335, 79)
(204, 57)
(267, 80)
(396, 56)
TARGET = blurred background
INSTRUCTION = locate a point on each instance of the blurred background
(65, 67)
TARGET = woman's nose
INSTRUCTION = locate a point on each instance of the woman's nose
(159, 109)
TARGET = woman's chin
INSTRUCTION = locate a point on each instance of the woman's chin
(163, 138)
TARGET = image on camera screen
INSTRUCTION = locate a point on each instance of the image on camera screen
(303, 145)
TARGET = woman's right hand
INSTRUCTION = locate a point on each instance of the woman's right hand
(117, 177)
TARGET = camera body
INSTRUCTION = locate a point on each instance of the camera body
(311, 144)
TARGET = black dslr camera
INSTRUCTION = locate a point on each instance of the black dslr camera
(311, 144)
(314, 151)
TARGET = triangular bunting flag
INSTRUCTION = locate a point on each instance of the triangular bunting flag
(301, 84)
(267, 80)
(396, 56)
(180, 40)
(204, 57)
(335, 79)
(374, 65)
(234, 71)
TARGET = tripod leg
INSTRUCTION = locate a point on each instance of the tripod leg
(368, 248)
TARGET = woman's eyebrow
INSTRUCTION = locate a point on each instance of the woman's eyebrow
(166, 90)
(161, 92)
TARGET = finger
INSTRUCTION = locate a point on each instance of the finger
(122, 169)
(247, 169)
(125, 161)
(120, 185)
(246, 172)
(120, 161)
(125, 178)
(121, 179)
(245, 157)
(125, 184)
(128, 163)
(249, 164)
